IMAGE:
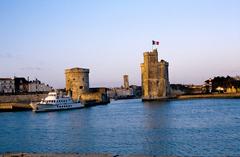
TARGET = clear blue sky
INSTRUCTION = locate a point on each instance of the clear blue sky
(41, 38)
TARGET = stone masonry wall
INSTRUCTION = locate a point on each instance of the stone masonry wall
(21, 98)
(77, 81)
(155, 81)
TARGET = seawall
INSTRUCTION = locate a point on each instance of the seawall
(18, 102)
(21, 98)
(199, 96)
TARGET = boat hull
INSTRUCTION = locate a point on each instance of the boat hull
(37, 107)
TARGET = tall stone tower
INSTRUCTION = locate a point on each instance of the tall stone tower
(155, 81)
(125, 81)
(77, 82)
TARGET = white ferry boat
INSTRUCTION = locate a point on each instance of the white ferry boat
(55, 102)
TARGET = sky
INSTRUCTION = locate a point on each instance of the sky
(41, 38)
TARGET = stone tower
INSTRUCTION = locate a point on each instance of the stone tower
(125, 81)
(155, 81)
(77, 82)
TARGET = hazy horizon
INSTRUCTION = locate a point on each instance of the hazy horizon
(42, 38)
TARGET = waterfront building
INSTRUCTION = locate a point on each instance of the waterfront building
(7, 86)
(21, 85)
(208, 86)
(221, 84)
(237, 78)
(121, 93)
(232, 90)
(137, 91)
(36, 86)
(77, 82)
(155, 80)
(125, 81)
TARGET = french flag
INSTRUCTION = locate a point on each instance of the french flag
(155, 42)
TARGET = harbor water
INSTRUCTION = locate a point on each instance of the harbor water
(205, 127)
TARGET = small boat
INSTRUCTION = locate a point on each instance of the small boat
(54, 102)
